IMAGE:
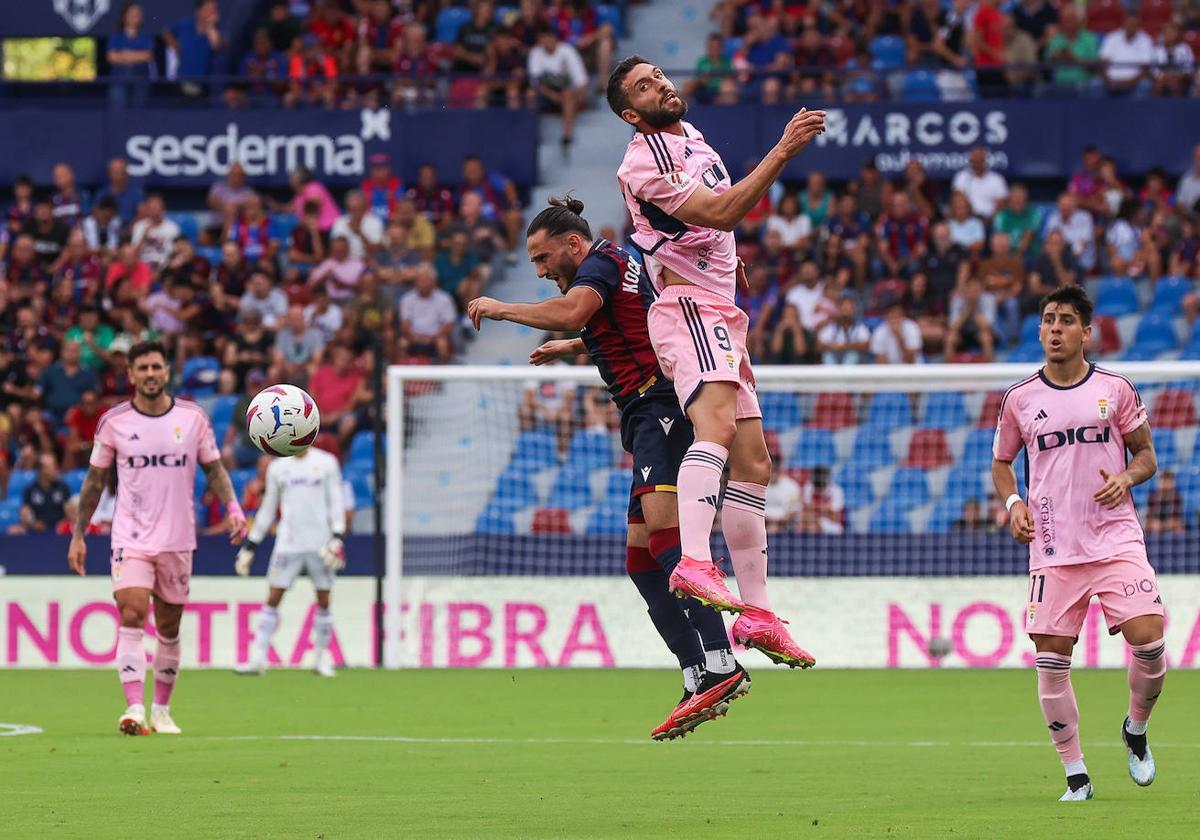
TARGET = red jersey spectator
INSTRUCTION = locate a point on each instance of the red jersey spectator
(20, 213)
(987, 44)
(129, 267)
(24, 273)
(339, 388)
(434, 201)
(81, 422)
(903, 235)
(252, 232)
(332, 28)
(381, 188)
(70, 204)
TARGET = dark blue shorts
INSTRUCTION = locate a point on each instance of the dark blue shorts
(657, 434)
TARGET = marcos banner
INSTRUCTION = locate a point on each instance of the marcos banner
(1024, 138)
(506, 622)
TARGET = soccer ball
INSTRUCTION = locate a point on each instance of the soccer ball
(283, 420)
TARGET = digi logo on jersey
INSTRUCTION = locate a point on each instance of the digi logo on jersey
(1083, 434)
(166, 459)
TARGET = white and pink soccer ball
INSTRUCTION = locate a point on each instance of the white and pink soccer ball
(283, 420)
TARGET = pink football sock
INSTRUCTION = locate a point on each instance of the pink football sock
(131, 664)
(166, 669)
(744, 524)
(698, 488)
(1147, 672)
(1057, 698)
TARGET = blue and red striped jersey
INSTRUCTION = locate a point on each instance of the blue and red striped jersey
(617, 337)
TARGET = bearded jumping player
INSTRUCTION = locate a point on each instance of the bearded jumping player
(155, 442)
(684, 209)
(605, 295)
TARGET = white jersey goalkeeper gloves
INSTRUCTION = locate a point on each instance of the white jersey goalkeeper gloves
(245, 558)
(333, 555)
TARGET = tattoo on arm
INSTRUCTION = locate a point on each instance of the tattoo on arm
(1144, 462)
(89, 497)
(218, 482)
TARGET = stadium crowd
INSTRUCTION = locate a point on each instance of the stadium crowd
(773, 50)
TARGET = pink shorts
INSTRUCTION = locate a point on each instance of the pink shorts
(1059, 595)
(166, 574)
(699, 336)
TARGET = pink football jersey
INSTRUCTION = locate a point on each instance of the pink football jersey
(1069, 435)
(659, 173)
(156, 460)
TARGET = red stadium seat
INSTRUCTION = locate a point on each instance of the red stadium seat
(928, 450)
(1173, 409)
(833, 411)
(328, 441)
(1155, 14)
(772, 440)
(1110, 335)
(551, 521)
(1105, 15)
(990, 410)
(843, 48)
(1192, 39)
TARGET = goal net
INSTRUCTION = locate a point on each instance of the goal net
(507, 492)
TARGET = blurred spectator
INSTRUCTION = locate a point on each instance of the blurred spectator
(62, 384)
(372, 309)
(81, 421)
(792, 226)
(382, 188)
(1185, 257)
(282, 26)
(102, 228)
(765, 58)
(69, 202)
(972, 316)
(421, 234)
(306, 242)
(323, 314)
(264, 69)
(816, 201)
(379, 35)
(1187, 193)
(1126, 55)
(24, 275)
(306, 189)
(268, 302)
(251, 230)
(548, 404)
(114, 385)
(19, 213)
(822, 505)
(49, 234)
(761, 302)
(1074, 49)
(712, 68)
(557, 79)
(169, 307)
(66, 525)
(1036, 18)
(93, 336)
(984, 189)
(427, 318)
(897, 340)
(1164, 510)
(340, 272)
(935, 37)
(501, 203)
(127, 194)
(483, 235)
(458, 269)
(249, 348)
(394, 263)
(193, 41)
(16, 386)
(341, 392)
(845, 339)
(783, 506)
(1173, 61)
(237, 451)
(417, 68)
(814, 61)
(130, 55)
(803, 317)
(1021, 56)
(298, 349)
(1077, 229)
(433, 200)
(965, 229)
(987, 46)
(362, 231)
(974, 517)
(1085, 183)
(155, 234)
(31, 339)
(1112, 192)
(923, 194)
(1055, 266)
(332, 29)
(928, 308)
(903, 235)
(577, 23)
(1003, 275)
(42, 506)
(228, 194)
(1020, 220)
(472, 50)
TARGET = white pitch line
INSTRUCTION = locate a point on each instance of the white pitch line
(10, 729)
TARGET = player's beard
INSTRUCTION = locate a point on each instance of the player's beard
(665, 116)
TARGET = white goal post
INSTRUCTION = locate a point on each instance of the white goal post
(469, 406)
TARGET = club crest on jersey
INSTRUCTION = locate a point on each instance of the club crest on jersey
(679, 181)
(1102, 408)
(729, 361)
(1032, 615)
(178, 432)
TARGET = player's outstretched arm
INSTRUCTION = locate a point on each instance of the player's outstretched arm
(570, 312)
(1141, 467)
(89, 497)
(222, 488)
(552, 351)
(1020, 522)
(705, 208)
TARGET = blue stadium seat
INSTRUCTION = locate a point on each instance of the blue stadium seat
(240, 478)
(872, 448)
(1029, 329)
(1155, 333)
(514, 490)
(890, 410)
(1166, 448)
(610, 13)
(781, 410)
(1116, 296)
(10, 513)
(1187, 479)
(362, 482)
(891, 517)
(618, 486)
(946, 511)
(855, 484)
(945, 410)
(199, 376)
(221, 409)
(909, 488)
(188, 226)
(966, 482)
(608, 519)
(815, 448)
(503, 12)
(74, 478)
(362, 449)
(449, 21)
(1169, 292)
(888, 51)
(535, 450)
(1141, 354)
(18, 480)
(280, 227)
(495, 520)
(590, 450)
(572, 489)
(921, 86)
(1026, 353)
(977, 451)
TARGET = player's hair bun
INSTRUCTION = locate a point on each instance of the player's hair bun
(568, 201)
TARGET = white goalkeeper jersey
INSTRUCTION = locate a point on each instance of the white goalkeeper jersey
(306, 490)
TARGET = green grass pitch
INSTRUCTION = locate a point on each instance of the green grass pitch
(565, 754)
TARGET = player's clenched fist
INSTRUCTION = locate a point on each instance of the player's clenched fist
(800, 131)
(1020, 522)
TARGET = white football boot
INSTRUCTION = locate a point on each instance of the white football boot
(1078, 795)
(1141, 770)
(324, 666)
(251, 668)
(160, 721)
(133, 720)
